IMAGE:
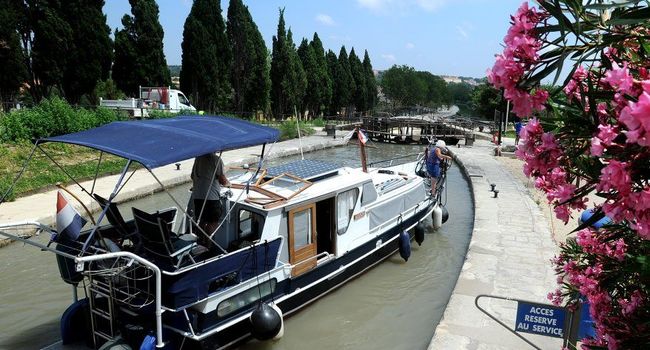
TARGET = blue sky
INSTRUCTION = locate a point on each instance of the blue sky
(445, 37)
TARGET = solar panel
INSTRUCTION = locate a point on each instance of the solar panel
(306, 169)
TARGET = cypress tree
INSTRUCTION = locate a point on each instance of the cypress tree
(312, 93)
(139, 57)
(371, 83)
(91, 49)
(323, 79)
(333, 69)
(297, 79)
(205, 70)
(359, 93)
(280, 65)
(50, 46)
(345, 83)
(12, 61)
(250, 71)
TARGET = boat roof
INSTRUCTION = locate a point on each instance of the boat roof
(155, 143)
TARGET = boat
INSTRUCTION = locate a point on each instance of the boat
(289, 235)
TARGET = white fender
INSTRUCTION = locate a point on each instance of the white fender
(281, 332)
(437, 217)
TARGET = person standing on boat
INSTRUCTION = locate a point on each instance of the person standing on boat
(434, 157)
(207, 178)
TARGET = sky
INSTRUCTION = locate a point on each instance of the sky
(444, 37)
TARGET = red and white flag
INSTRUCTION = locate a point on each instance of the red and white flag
(363, 138)
(68, 221)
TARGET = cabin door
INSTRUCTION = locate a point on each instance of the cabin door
(302, 239)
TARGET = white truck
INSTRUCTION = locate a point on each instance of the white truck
(151, 98)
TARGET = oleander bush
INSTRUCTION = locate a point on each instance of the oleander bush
(590, 134)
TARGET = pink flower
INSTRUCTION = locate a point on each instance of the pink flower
(635, 118)
(597, 148)
(607, 134)
(629, 305)
(615, 176)
(619, 78)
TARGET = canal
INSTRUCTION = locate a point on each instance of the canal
(395, 305)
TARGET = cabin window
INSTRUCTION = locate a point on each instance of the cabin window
(369, 193)
(345, 202)
(250, 296)
(249, 225)
(302, 224)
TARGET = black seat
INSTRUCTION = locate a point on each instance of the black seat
(159, 241)
(115, 218)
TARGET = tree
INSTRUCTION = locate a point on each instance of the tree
(139, 57)
(288, 80)
(359, 93)
(297, 79)
(206, 59)
(485, 99)
(312, 93)
(323, 81)
(402, 86)
(90, 51)
(12, 61)
(334, 107)
(280, 65)
(371, 83)
(250, 71)
(345, 82)
(51, 44)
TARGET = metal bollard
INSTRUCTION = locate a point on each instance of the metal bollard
(178, 166)
(496, 193)
(493, 186)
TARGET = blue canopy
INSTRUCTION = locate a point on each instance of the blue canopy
(159, 142)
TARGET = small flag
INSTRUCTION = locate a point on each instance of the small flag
(362, 137)
(68, 221)
(348, 136)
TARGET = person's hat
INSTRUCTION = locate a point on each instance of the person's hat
(441, 143)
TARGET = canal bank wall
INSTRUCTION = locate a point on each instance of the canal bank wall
(41, 207)
(508, 256)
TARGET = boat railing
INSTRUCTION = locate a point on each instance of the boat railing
(390, 161)
(125, 280)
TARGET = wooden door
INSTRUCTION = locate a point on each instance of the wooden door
(302, 239)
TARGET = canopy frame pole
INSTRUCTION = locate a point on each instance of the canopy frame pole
(184, 210)
(83, 189)
(99, 162)
(20, 174)
(103, 213)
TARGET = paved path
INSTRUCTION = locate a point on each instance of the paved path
(41, 207)
(508, 256)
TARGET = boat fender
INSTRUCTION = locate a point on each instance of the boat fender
(437, 217)
(148, 343)
(281, 332)
(445, 214)
(419, 233)
(73, 322)
(404, 245)
(266, 322)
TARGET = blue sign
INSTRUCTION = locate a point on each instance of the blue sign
(586, 327)
(540, 319)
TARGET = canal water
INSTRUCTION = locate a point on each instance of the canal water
(395, 305)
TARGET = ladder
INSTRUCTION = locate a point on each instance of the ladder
(102, 310)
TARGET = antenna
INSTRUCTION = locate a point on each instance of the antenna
(295, 111)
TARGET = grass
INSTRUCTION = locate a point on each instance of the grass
(41, 174)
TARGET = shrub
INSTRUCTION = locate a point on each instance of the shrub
(50, 118)
(288, 130)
